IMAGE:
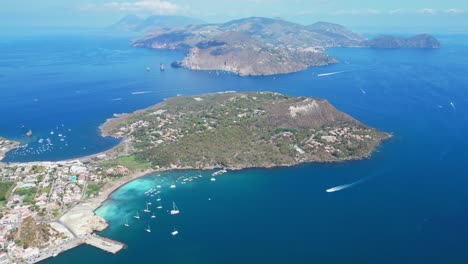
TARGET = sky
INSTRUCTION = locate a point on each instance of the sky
(428, 14)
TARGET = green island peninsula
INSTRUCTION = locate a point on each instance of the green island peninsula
(49, 207)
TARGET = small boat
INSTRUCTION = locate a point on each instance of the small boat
(126, 224)
(153, 216)
(52, 132)
(172, 186)
(148, 69)
(158, 199)
(147, 210)
(159, 206)
(175, 232)
(174, 210)
(29, 133)
(137, 216)
(148, 203)
(213, 179)
(159, 186)
(148, 229)
(161, 67)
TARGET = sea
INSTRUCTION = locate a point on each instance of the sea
(408, 203)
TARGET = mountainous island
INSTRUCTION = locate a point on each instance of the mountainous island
(265, 46)
(241, 130)
(134, 23)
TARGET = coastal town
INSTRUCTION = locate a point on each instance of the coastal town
(49, 207)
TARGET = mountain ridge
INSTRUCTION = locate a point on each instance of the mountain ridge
(264, 46)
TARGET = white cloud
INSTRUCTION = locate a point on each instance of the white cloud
(144, 6)
(427, 11)
(369, 11)
(454, 11)
(397, 11)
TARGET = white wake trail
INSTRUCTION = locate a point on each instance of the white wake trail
(345, 186)
(143, 92)
(329, 73)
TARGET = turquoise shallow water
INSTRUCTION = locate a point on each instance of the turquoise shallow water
(412, 207)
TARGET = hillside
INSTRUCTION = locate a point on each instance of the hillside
(240, 130)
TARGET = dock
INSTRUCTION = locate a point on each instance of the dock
(103, 243)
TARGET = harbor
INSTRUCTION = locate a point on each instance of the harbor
(102, 243)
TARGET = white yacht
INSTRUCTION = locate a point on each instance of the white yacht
(147, 210)
(174, 210)
(137, 216)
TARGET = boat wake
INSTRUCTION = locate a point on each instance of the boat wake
(143, 92)
(453, 106)
(345, 186)
(330, 73)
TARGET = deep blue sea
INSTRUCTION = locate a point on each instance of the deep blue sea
(412, 206)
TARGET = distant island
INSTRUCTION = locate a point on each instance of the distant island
(265, 46)
(134, 23)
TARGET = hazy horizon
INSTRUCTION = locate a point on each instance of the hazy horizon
(405, 16)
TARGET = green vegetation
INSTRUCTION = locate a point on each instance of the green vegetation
(5, 189)
(28, 193)
(93, 188)
(131, 162)
(240, 130)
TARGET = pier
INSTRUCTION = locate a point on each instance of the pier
(103, 243)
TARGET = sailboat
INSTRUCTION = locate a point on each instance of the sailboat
(159, 206)
(147, 210)
(148, 229)
(158, 199)
(137, 216)
(174, 210)
(175, 232)
(153, 216)
(126, 224)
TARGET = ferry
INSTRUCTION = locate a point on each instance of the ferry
(219, 172)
